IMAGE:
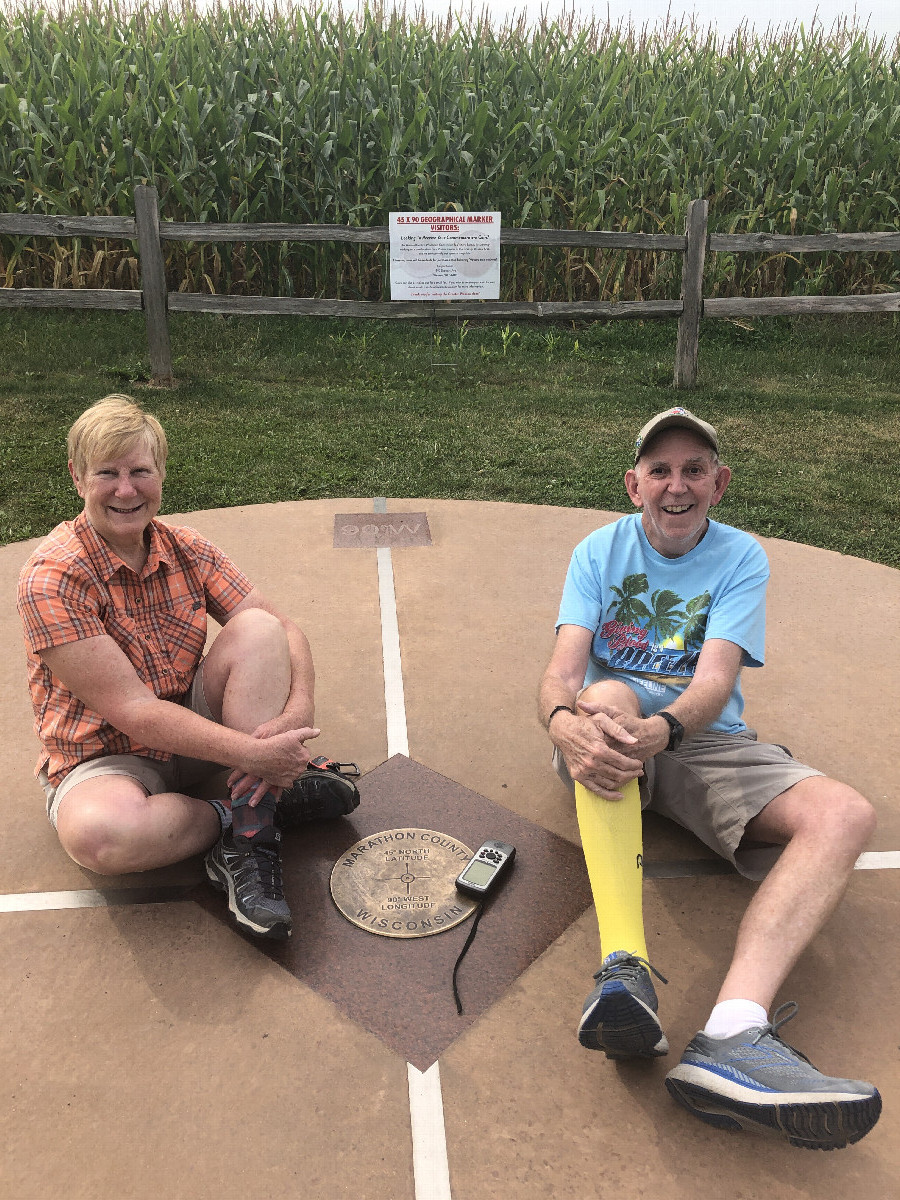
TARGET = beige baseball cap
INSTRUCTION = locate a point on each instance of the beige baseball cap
(675, 418)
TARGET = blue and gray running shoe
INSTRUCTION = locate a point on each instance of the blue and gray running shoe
(620, 1013)
(756, 1081)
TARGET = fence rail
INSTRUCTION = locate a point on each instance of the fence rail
(157, 302)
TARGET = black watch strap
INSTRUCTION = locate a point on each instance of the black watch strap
(676, 729)
(560, 708)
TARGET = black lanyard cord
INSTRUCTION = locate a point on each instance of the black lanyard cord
(478, 912)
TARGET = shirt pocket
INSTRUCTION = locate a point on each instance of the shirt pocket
(181, 634)
(126, 632)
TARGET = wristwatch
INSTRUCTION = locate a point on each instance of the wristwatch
(676, 729)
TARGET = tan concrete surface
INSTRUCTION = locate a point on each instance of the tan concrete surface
(151, 1053)
(525, 1103)
(130, 1033)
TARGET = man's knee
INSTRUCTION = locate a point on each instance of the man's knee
(824, 810)
(860, 816)
(842, 812)
(613, 693)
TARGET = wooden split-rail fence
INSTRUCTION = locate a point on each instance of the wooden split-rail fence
(157, 301)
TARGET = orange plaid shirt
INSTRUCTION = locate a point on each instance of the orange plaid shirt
(73, 587)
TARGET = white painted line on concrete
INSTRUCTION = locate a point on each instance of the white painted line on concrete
(431, 1171)
(48, 901)
(395, 703)
(878, 860)
(38, 901)
(875, 860)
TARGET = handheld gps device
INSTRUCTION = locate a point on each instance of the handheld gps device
(485, 869)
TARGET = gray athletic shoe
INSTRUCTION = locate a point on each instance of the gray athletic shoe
(756, 1081)
(620, 1013)
(249, 871)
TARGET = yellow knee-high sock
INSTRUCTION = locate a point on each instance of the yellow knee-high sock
(613, 850)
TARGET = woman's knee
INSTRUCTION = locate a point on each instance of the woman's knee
(102, 831)
(254, 625)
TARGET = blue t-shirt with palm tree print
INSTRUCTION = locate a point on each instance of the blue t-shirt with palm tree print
(650, 615)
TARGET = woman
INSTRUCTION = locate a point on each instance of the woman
(132, 719)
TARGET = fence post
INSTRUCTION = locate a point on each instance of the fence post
(153, 284)
(688, 344)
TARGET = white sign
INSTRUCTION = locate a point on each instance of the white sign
(445, 256)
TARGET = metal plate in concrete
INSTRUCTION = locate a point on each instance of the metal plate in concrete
(369, 530)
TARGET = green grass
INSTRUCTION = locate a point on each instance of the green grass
(283, 409)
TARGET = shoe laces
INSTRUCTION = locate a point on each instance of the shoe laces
(350, 769)
(263, 862)
(629, 967)
(784, 1013)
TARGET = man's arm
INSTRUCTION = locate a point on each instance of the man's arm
(586, 740)
(98, 672)
(299, 711)
(599, 736)
(699, 704)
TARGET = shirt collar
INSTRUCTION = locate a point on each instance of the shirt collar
(105, 559)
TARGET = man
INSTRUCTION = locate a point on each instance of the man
(642, 701)
(133, 719)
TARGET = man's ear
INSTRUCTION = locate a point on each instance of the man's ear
(723, 478)
(633, 489)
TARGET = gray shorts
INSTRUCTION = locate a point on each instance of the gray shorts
(714, 784)
(178, 774)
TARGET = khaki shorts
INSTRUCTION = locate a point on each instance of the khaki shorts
(177, 774)
(714, 784)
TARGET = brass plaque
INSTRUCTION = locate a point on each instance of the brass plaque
(401, 883)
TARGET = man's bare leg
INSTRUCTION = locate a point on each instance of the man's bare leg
(824, 826)
(738, 1073)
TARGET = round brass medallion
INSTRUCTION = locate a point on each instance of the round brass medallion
(401, 883)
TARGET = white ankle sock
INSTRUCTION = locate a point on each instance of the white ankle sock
(734, 1016)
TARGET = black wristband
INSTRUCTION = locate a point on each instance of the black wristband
(560, 708)
(676, 729)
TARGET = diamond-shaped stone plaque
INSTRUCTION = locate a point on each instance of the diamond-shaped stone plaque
(398, 989)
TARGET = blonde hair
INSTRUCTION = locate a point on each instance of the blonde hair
(112, 427)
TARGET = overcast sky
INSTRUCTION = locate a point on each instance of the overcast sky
(881, 17)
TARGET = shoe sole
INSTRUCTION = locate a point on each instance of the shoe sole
(810, 1125)
(622, 1026)
(224, 883)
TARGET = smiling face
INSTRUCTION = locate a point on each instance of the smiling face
(675, 483)
(121, 496)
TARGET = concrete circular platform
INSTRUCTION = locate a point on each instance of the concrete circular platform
(132, 1030)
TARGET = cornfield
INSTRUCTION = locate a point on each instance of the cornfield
(313, 115)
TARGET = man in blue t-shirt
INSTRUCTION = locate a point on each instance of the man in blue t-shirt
(642, 701)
